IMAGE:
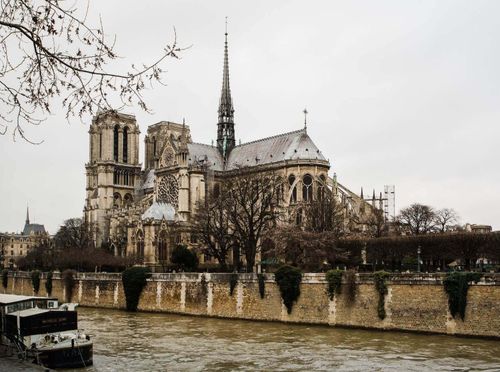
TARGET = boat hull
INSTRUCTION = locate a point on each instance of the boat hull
(66, 357)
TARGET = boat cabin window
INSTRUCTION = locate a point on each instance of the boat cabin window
(19, 306)
(51, 304)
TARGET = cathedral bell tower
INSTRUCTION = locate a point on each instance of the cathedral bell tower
(225, 125)
(113, 171)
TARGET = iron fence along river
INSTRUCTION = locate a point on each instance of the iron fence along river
(163, 342)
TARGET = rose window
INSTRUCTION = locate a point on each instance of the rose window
(168, 190)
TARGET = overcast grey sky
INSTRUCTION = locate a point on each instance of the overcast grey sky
(398, 92)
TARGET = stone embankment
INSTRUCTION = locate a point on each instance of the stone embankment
(414, 302)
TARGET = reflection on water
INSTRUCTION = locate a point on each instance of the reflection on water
(159, 342)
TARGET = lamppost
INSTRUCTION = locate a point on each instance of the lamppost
(418, 258)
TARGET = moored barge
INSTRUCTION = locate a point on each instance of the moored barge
(37, 328)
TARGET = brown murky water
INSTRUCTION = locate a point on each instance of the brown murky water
(162, 342)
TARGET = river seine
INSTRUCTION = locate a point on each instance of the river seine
(160, 342)
(163, 342)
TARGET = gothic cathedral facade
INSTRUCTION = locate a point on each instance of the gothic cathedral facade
(145, 212)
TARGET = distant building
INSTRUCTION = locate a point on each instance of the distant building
(16, 245)
(478, 228)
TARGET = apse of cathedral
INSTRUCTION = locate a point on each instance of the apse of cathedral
(146, 212)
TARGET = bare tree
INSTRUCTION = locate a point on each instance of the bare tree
(445, 218)
(417, 219)
(47, 50)
(74, 234)
(376, 223)
(253, 208)
(325, 213)
(211, 225)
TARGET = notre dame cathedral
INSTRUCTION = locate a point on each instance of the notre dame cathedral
(146, 212)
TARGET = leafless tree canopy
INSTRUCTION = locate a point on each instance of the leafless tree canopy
(211, 225)
(417, 218)
(445, 218)
(47, 50)
(422, 219)
(253, 210)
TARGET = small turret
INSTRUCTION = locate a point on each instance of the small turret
(182, 153)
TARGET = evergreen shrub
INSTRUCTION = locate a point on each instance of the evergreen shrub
(184, 259)
(48, 283)
(68, 277)
(233, 281)
(288, 279)
(5, 278)
(334, 280)
(262, 285)
(380, 278)
(35, 280)
(134, 280)
(350, 284)
(456, 285)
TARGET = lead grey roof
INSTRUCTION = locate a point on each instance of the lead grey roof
(296, 145)
(33, 228)
(158, 211)
(200, 154)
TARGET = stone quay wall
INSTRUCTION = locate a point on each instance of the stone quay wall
(415, 302)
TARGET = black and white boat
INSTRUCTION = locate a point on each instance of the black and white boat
(38, 329)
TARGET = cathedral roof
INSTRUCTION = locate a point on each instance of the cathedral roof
(158, 211)
(200, 154)
(296, 145)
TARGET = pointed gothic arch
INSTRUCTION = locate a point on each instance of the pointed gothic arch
(125, 145)
(307, 188)
(115, 142)
(139, 244)
(292, 184)
(163, 252)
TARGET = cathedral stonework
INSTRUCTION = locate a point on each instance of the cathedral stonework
(146, 212)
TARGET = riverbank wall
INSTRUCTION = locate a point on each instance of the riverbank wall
(414, 302)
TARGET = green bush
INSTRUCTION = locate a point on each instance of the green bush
(262, 285)
(456, 285)
(380, 278)
(233, 281)
(134, 280)
(334, 280)
(5, 278)
(48, 283)
(184, 259)
(35, 280)
(350, 284)
(288, 279)
(68, 277)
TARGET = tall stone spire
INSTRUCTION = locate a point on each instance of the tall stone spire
(27, 215)
(225, 126)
